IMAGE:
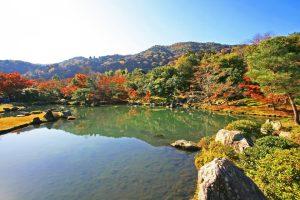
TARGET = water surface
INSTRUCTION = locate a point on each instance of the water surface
(111, 152)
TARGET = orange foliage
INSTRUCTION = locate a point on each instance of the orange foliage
(147, 96)
(12, 83)
(251, 89)
(132, 93)
(81, 80)
(68, 90)
(108, 83)
(49, 85)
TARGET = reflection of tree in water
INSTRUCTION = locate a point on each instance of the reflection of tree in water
(155, 126)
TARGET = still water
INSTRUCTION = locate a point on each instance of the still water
(111, 152)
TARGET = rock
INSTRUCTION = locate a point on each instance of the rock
(15, 108)
(71, 118)
(6, 109)
(61, 108)
(21, 108)
(36, 120)
(285, 134)
(20, 115)
(234, 139)
(220, 179)
(66, 114)
(25, 113)
(62, 101)
(276, 125)
(270, 126)
(57, 114)
(36, 112)
(185, 145)
(49, 116)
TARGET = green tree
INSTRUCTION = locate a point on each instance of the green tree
(274, 64)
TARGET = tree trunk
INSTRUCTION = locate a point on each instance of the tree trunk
(296, 114)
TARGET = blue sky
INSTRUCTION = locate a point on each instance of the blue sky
(47, 31)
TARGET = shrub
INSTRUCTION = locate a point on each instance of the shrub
(262, 148)
(248, 128)
(277, 174)
(205, 141)
(295, 134)
(158, 100)
(274, 142)
(214, 150)
(273, 163)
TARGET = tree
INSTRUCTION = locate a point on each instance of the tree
(219, 75)
(11, 84)
(274, 64)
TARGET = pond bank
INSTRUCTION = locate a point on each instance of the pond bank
(11, 123)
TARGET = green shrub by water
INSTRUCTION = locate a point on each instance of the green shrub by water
(277, 173)
(212, 151)
(248, 128)
(274, 165)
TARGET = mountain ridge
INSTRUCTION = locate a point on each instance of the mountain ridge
(154, 56)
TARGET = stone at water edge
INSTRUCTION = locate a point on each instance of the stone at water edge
(66, 114)
(220, 179)
(49, 116)
(234, 139)
(36, 121)
(185, 145)
(71, 118)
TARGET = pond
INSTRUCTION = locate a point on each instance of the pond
(109, 152)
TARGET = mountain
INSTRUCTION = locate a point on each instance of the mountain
(157, 55)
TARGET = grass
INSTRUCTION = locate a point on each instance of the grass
(11, 123)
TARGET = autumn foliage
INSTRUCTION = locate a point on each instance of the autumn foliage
(11, 84)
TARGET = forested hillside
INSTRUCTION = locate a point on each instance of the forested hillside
(146, 60)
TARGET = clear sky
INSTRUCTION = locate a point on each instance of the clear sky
(48, 31)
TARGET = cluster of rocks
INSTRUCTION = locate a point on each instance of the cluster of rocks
(52, 116)
(274, 128)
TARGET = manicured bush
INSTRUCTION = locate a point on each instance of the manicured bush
(214, 150)
(274, 165)
(295, 134)
(274, 142)
(277, 174)
(262, 148)
(248, 128)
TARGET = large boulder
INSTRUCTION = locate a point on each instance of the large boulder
(234, 139)
(220, 179)
(185, 145)
(66, 113)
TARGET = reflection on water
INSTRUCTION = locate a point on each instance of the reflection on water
(107, 153)
(155, 126)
